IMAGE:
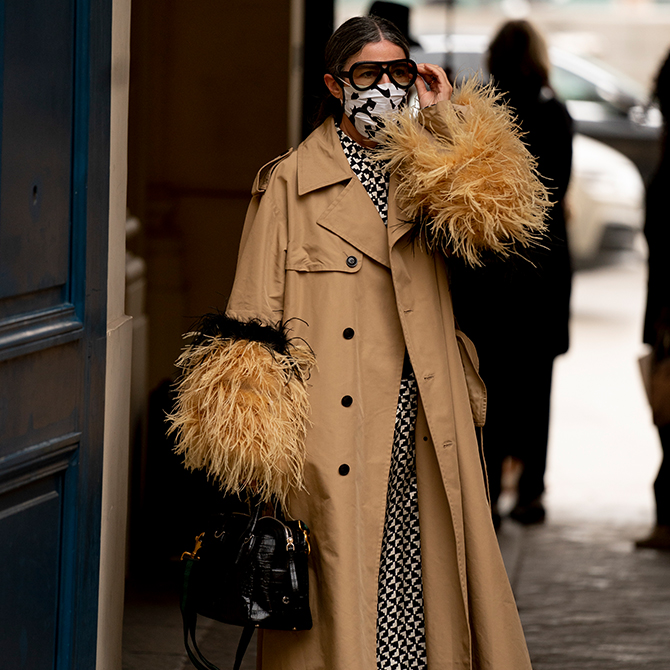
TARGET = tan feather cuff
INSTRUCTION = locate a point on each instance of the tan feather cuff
(470, 185)
(242, 406)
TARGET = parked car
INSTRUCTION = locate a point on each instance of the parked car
(605, 202)
(605, 104)
(615, 145)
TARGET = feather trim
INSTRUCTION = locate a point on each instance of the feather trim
(242, 406)
(472, 191)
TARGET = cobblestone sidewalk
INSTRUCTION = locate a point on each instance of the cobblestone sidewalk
(153, 638)
(587, 599)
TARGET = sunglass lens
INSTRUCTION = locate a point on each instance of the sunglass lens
(365, 75)
(402, 74)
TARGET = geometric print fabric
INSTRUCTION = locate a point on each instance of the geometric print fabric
(373, 176)
(401, 633)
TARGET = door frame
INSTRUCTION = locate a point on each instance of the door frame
(115, 465)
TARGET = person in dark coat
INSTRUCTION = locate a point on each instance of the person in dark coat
(657, 316)
(517, 311)
(397, 14)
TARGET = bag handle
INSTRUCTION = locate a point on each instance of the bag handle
(245, 638)
(190, 619)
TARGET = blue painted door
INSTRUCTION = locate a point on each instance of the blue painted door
(54, 183)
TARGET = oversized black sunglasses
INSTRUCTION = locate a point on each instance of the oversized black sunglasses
(366, 74)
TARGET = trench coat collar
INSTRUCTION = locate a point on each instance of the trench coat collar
(321, 160)
(352, 215)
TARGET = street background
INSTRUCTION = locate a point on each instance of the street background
(587, 598)
(633, 36)
(604, 451)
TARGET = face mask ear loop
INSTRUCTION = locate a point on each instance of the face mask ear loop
(341, 83)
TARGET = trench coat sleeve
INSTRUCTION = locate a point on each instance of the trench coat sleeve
(433, 120)
(258, 289)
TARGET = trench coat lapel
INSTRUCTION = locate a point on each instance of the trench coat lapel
(397, 220)
(421, 312)
(352, 215)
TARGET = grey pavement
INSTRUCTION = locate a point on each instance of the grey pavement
(153, 637)
(587, 599)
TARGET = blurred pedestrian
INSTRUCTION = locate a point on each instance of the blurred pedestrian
(405, 569)
(516, 311)
(657, 316)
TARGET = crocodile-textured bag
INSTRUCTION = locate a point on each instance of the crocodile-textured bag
(248, 570)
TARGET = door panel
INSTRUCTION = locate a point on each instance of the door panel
(54, 208)
(30, 521)
(45, 396)
(37, 99)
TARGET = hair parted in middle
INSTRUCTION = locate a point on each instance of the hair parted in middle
(348, 40)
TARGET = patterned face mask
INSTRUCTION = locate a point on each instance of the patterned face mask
(366, 109)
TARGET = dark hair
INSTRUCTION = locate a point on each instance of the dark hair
(518, 60)
(662, 89)
(661, 94)
(348, 40)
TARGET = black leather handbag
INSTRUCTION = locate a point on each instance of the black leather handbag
(250, 570)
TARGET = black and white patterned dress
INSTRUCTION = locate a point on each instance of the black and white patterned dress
(401, 634)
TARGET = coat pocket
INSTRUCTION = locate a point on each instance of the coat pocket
(325, 253)
(475, 384)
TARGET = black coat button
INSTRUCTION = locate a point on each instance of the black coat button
(344, 469)
(348, 333)
(352, 261)
(347, 401)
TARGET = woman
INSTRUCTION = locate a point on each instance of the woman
(517, 311)
(657, 316)
(405, 567)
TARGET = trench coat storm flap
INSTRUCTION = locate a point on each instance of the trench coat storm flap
(316, 255)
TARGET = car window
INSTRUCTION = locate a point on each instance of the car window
(461, 64)
(466, 64)
(570, 86)
(585, 100)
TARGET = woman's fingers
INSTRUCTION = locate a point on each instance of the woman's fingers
(432, 73)
(436, 78)
(421, 87)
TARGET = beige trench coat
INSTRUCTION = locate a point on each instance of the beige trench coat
(315, 254)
